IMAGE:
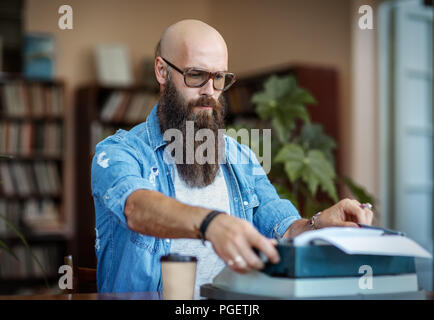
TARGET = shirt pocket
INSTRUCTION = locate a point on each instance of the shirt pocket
(250, 202)
(142, 241)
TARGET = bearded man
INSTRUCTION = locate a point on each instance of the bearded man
(147, 206)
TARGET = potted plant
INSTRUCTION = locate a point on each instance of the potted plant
(303, 165)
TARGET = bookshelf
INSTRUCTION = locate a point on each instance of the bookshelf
(100, 111)
(32, 185)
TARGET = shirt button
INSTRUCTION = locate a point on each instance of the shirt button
(235, 199)
(245, 203)
(167, 240)
(107, 197)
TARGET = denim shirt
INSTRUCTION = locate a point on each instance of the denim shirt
(130, 160)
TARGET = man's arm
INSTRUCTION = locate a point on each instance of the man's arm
(296, 228)
(152, 213)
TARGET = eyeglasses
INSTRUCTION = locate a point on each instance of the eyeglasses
(196, 78)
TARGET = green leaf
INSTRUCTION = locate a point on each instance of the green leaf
(283, 102)
(288, 152)
(306, 157)
(277, 87)
(292, 156)
(304, 97)
(313, 168)
(324, 172)
(282, 132)
(312, 136)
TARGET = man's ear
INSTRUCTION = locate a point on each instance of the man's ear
(160, 70)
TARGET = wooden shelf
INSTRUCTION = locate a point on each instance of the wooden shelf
(35, 237)
(7, 77)
(37, 196)
(31, 118)
(58, 236)
(33, 157)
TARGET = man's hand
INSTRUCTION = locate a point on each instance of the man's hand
(345, 213)
(233, 239)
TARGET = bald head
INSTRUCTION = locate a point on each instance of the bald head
(189, 41)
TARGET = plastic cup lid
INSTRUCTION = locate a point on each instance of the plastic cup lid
(175, 257)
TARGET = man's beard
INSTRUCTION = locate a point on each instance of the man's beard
(173, 113)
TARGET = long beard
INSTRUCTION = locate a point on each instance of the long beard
(173, 113)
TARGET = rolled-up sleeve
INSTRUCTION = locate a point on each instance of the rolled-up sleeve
(117, 171)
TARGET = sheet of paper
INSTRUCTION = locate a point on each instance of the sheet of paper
(364, 241)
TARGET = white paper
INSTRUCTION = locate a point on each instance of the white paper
(364, 241)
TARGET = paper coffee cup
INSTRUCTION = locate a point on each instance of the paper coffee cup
(178, 274)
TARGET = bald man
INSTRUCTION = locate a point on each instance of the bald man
(150, 201)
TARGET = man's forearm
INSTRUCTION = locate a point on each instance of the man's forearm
(154, 214)
(296, 228)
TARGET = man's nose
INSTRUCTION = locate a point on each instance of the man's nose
(208, 88)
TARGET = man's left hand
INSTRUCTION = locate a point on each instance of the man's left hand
(345, 213)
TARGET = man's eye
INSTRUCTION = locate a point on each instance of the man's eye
(219, 76)
(195, 74)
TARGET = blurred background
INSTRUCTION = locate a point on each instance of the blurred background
(71, 76)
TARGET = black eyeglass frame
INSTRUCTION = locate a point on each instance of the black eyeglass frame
(211, 75)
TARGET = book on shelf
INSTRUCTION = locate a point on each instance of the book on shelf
(20, 179)
(22, 99)
(112, 103)
(10, 210)
(35, 214)
(23, 179)
(27, 267)
(123, 106)
(30, 138)
(41, 215)
(137, 107)
(6, 182)
(37, 97)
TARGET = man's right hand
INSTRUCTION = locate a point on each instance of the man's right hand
(233, 240)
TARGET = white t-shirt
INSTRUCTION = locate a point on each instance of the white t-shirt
(215, 197)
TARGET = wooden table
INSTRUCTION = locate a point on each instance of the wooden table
(429, 295)
(89, 296)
